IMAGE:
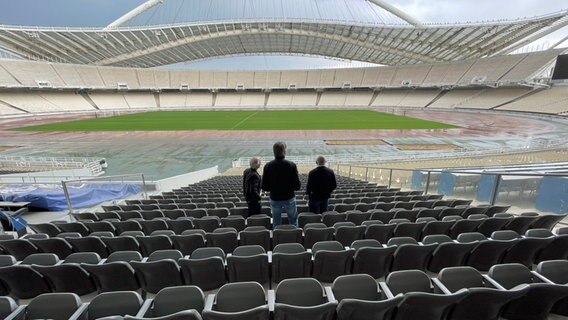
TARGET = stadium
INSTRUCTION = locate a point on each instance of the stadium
(125, 140)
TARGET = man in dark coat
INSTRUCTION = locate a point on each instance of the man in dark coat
(280, 178)
(321, 183)
(251, 187)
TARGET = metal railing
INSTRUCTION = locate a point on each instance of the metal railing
(524, 190)
(368, 158)
(52, 163)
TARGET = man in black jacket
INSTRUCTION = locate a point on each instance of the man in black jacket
(280, 178)
(251, 187)
(321, 182)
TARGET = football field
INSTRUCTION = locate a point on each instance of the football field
(245, 120)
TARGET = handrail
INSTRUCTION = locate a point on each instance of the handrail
(503, 173)
(496, 183)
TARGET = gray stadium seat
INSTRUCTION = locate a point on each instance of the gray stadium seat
(360, 299)
(205, 268)
(113, 276)
(302, 299)
(244, 300)
(540, 298)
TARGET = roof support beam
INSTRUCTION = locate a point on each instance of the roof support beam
(133, 13)
(397, 12)
(559, 25)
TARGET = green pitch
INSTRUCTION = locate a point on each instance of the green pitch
(245, 120)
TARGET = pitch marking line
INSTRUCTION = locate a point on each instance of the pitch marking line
(242, 121)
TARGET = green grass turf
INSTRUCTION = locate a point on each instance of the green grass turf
(245, 120)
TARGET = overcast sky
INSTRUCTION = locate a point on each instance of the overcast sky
(92, 13)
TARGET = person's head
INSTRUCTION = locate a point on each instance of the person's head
(254, 163)
(279, 149)
(320, 161)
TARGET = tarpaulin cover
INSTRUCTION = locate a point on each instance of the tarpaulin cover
(52, 198)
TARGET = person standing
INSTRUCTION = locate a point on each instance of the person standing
(251, 187)
(321, 183)
(280, 178)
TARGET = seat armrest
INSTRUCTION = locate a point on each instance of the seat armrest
(81, 313)
(439, 287)
(271, 300)
(329, 294)
(539, 278)
(145, 259)
(269, 253)
(18, 314)
(386, 290)
(494, 284)
(143, 312)
(209, 302)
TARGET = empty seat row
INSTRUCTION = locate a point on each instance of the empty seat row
(228, 237)
(209, 268)
(511, 291)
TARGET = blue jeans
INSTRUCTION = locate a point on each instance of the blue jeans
(318, 205)
(291, 211)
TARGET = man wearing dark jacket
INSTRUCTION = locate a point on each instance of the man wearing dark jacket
(321, 182)
(280, 178)
(251, 187)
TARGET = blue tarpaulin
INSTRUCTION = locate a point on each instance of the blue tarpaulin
(87, 195)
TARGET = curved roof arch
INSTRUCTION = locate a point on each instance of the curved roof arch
(366, 41)
(174, 12)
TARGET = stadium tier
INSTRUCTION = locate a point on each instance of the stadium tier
(502, 70)
(195, 239)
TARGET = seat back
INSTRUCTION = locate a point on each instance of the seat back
(554, 270)
(510, 275)
(175, 299)
(23, 282)
(41, 259)
(427, 305)
(305, 292)
(375, 262)
(408, 281)
(328, 265)
(355, 286)
(68, 278)
(237, 297)
(207, 273)
(118, 303)
(456, 278)
(113, 276)
(57, 306)
(154, 276)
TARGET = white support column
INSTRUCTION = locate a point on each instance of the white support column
(397, 12)
(133, 13)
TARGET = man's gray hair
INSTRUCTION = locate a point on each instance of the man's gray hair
(279, 149)
(320, 161)
(254, 162)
